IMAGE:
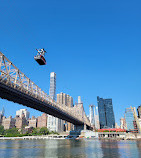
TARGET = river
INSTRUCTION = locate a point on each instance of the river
(69, 149)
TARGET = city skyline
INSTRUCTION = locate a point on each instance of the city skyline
(71, 74)
(94, 49)
(128, 122)
(38, 113)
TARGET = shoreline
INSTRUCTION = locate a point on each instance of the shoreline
(62, 137)
(31, 138)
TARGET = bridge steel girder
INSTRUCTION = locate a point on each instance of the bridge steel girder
(14, 95)
(17, 87)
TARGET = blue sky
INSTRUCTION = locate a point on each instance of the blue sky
(93, 46)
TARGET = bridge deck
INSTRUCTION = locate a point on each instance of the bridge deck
(17, 87)
(11, 94)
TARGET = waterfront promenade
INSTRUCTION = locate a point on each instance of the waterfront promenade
(96, 135)
(35, 137)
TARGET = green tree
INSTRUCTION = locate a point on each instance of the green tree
(1, 130)
(35, 131)
(53, 132)
(12, 132)
(44, 131)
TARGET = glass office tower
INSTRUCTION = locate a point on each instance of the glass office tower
(129, 118)
(52, 91)
(106, 113)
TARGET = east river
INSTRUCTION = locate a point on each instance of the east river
(70, 149)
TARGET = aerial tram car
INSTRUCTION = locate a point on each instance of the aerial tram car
(40, 57)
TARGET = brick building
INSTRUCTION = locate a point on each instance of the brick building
(8, 122)
(32, 122)
(42, 121)
(21, 122)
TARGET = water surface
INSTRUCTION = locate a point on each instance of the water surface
(69, 149)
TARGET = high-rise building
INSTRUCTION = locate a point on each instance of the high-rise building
(62, 98)
(21, 112)
(8, 123)
(21, 122)
(123, 123)
(53, 123)
(69, 101)
(33, 122)
(69, 104)
(91, 111)
(139, 111)
(106, 113)
(65, 99)
(52, 90)
(42, 121)
(96, 118)
(1, 115)
(129, 118)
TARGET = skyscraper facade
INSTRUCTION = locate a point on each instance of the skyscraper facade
(96, 117)
(21, 112)
(1, 115)
(62, 98)
(52, 90)
(65, 99)
(106, 113)
(129, 118)
(69, 101)
(91, 117)
(53, 123)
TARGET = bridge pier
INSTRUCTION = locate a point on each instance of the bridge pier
(80, 127)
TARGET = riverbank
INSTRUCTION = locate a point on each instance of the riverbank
(128, 137)
(35, 137)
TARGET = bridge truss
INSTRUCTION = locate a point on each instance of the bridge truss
(16, 83)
